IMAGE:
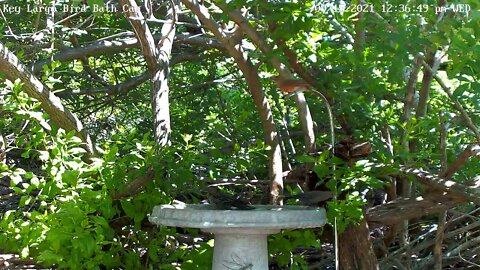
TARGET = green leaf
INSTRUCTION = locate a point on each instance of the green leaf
(108, 211)
(306, 159)
(85, 244)
(49, 257)
(70, 177)
(57, 238)
(129, 208)
(51, 189)
(111, 155)
(461, 90)
(25, 252)
(96, 6)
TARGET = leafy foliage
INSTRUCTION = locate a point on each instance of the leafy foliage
(68, 216)
(282, 246)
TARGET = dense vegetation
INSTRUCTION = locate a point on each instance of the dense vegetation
(108, 109)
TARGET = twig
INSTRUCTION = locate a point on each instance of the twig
(468, 243)
(467, 261)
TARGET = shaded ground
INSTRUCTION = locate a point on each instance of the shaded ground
(12, 261)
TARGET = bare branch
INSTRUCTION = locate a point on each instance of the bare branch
(120, 88)
(105, 47)
(401, 209)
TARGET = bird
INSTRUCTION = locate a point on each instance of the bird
(291, 85)
(222, 199)
(313, 197)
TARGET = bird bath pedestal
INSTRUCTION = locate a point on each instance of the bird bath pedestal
(240, 235)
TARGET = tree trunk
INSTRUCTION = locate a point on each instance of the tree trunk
(157, 60)
(355, 248)
(356, 251)
(160, 90)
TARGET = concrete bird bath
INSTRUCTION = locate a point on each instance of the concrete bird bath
(240, 235)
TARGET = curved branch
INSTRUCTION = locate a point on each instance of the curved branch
(253, 81)
(97, 48)
(398, 210)
(303, 110)
(113, 89)
(471, 150)
(129, 84)
(469, 192)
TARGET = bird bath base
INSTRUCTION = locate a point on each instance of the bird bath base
(240, 235)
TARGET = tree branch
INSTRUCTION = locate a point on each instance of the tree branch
(471, 193)
(117, 89)
(401, 209)
(142, 32)
(105, 47)
(471, 150)
(136, 186)
(13, 69)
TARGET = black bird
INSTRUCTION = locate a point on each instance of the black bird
(312, 197)
(223, 199)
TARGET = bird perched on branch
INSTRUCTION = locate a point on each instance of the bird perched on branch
(291, 85)
(312, 198)
(223, 199)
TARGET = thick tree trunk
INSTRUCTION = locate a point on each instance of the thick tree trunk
(157, 60)
(356, 251)
(161, 107)
(160, 90)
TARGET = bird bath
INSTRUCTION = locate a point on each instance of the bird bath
(240, 235)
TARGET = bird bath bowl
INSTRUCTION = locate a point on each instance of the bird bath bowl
(240, 235)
